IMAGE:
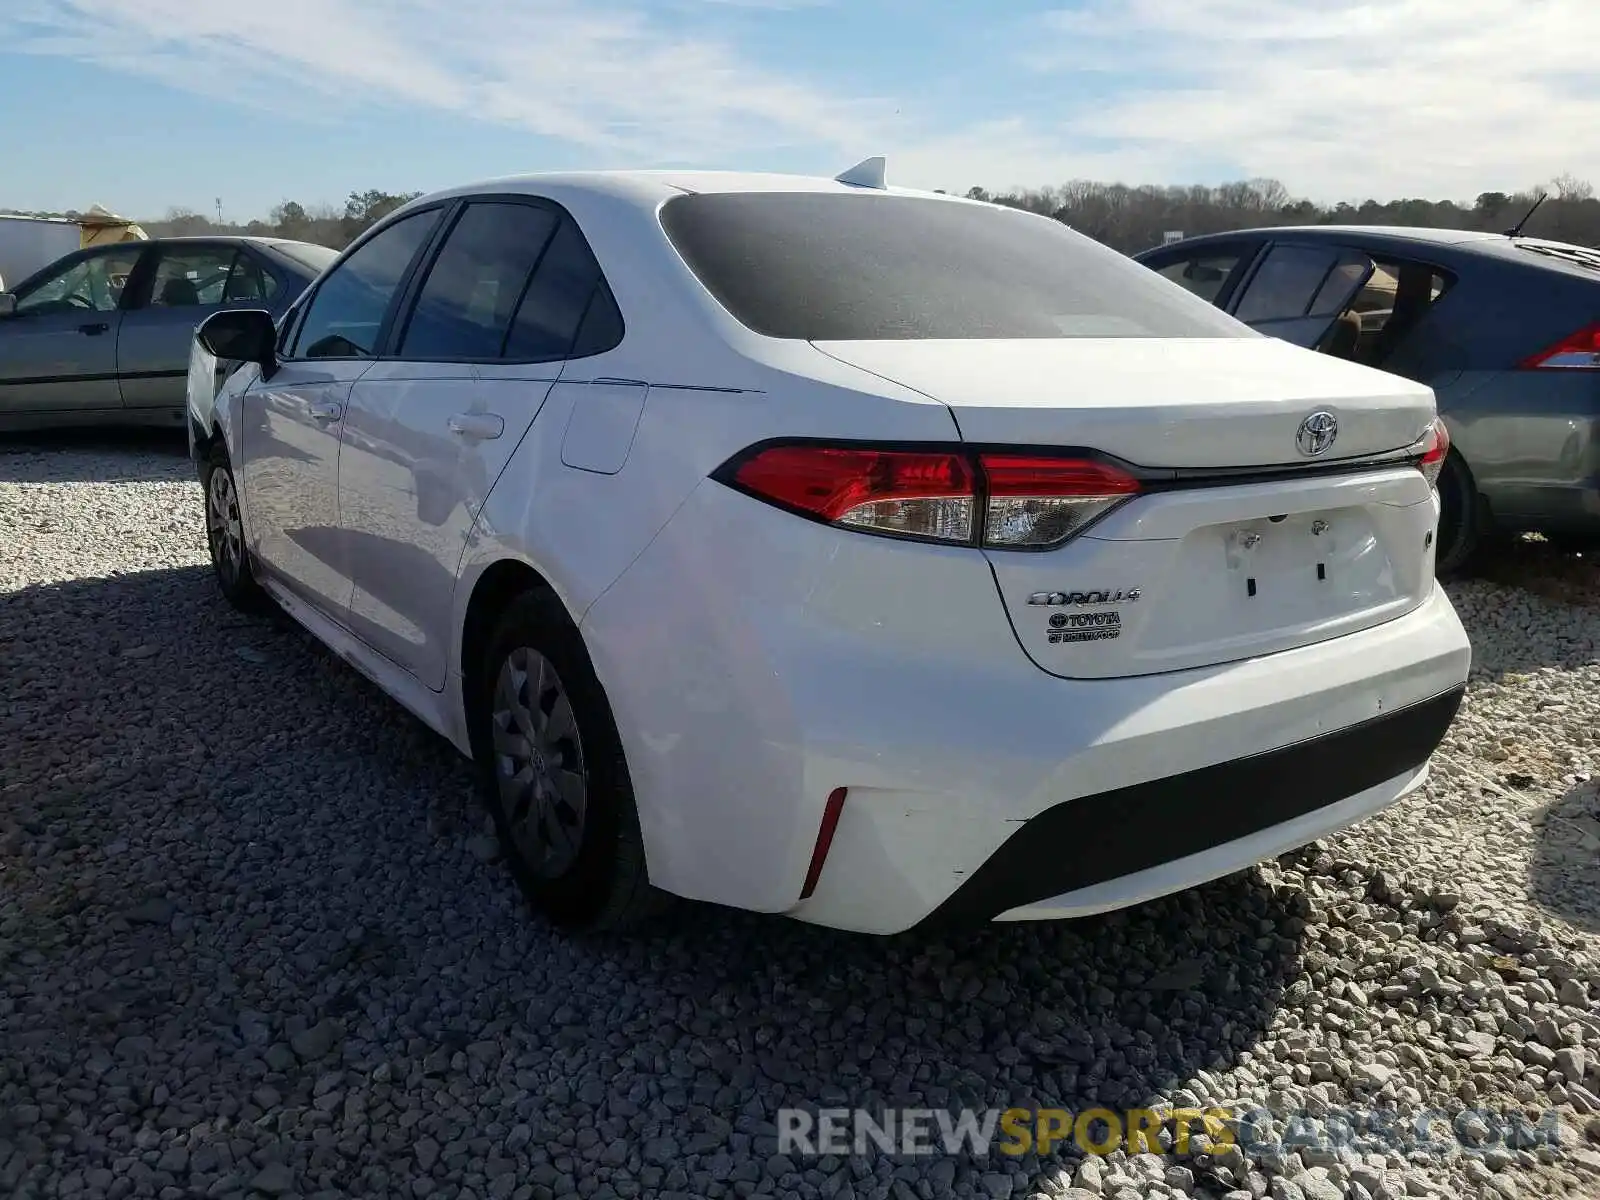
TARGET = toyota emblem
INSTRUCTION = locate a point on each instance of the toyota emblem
(1317, 433)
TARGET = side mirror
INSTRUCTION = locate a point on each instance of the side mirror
(8, 305)
(241, 334)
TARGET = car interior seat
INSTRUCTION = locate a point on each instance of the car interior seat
(1413, 293)
(1341, 340)
(179, 291)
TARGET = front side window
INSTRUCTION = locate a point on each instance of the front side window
(1203, 274)
(466, 304)
(832, 266)
(189, 278)
(92, 284)
(346, 313)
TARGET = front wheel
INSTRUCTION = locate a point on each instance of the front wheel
(230, 560)
(552, 772)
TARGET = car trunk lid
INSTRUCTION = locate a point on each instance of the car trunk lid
(1177, 402)
(1240, 543)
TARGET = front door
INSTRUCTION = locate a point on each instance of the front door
(292, 421)
(289, 428)
(58, 352)
(190, 281)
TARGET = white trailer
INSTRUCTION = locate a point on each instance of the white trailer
(30, 243)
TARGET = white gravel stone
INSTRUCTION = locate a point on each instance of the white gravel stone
(248, 947)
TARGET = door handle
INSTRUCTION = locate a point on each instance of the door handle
(478, 426)
(94, 328)
(324, 410)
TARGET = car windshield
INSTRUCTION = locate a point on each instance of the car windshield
(307, 254)
(824, 266)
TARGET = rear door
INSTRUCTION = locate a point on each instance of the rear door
(58, 352)
(431, 426)
(1298, 290)
(189, 282)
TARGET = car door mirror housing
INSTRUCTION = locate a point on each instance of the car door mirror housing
(8, 305)
(241, 334)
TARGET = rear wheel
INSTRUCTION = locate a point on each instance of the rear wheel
(230, 560)
(1461, 523)
(552, 772)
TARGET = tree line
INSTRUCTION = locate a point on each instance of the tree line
(1131, 219)
(1127, 218)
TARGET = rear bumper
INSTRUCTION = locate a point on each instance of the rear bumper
(1119, 847)
(756, 663)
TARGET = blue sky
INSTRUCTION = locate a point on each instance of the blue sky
(142, 105)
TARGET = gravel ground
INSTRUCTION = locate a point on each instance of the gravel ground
(248, 945)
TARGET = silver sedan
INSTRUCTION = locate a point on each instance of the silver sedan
(103, 335)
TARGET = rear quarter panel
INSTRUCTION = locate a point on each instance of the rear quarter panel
(1531, 438)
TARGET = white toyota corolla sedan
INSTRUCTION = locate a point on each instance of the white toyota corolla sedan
(824, 548)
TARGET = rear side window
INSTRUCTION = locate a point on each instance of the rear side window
(831, 266)
(1286, 283)
(465, 307)
(557, 299)
(347, 310)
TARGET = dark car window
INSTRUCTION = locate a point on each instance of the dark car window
(347, 311)
(1286, 283)
(248, 280)
(1203, 273)
(191, 276)
(91, 284)
(865, 266)
(558, 296)
(601, 329)
(465, 307)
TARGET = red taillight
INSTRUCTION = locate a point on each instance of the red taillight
(1435, 448)
(819, 853)
(909, 492)
(1577, 352)
(1022, 501)
(1039, 501)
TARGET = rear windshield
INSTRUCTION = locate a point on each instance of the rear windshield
(1580, 256)
(823, 266)
(307, 254)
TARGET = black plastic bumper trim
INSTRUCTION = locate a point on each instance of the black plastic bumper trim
(1092, 839)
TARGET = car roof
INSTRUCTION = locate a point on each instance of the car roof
(651, 187)
(232, 239)
(1382, 233)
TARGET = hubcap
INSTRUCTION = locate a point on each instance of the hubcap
(223, 529)
(539, 763)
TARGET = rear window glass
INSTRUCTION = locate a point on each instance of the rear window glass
(868, 267)
(307, 254)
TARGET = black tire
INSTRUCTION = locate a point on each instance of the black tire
(1461, 519)
(230, 560)
(592, 877)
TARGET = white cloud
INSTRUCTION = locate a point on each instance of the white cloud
(1341, 98)
(611, 80)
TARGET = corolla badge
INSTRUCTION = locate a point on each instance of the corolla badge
(1317, 433)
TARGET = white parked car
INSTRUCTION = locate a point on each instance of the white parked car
(823, 548)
